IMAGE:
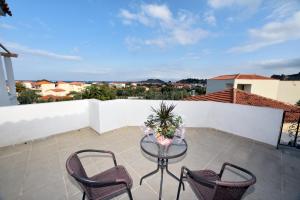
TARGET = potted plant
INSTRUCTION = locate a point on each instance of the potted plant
(164, 123)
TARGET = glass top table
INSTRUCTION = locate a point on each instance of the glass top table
(176, 149)
(163, 153)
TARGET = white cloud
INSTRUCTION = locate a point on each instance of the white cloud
(38, 52)
(161, 12)
(282, 9)
(128, 17)
(210, 18)
(93, 71)
(133, 43)
(160, 42)
(272, 33)
(168, 73)
(292, 63)
(239, 9)
(7, 26)
(170, 29)
(251, 4)
(188, 36)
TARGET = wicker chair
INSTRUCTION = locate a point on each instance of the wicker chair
(207, 184)
(105, 185)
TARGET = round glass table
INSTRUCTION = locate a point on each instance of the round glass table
(176, 149)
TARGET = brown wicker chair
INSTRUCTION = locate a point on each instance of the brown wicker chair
(105, 185)
(207, 184)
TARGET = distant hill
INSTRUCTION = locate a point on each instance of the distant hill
(192, 81)
(283, 77)
(153, 81)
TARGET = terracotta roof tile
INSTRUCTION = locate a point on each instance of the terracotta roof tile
(225, 96)
(245, 98)
(242, 76)
(43, 82)
(61, 82)
(76, 83)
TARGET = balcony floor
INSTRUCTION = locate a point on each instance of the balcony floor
(37, 170)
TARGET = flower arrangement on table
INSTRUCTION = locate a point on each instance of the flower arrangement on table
(164, 124)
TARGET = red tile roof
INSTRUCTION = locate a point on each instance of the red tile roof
(42, 82)
(76, 83)
(61, 82)
(225, 96)
(245, 98)
(242, 76)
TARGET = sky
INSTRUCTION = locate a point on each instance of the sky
(106, 40)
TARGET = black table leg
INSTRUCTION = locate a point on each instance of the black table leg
(151, 173)
(172, 175)
(161, 179)
(161, 163)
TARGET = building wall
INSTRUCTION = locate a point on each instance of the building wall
(45, 87)
(217, 85)
(58, 94)
(27, 85)
(265, 88)
(289, 91)
(64, 86)
(76, 88)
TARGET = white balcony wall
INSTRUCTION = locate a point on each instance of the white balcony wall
(22, 123)
(28, 122)
(257, 123)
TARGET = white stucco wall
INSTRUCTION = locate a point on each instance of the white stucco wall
(27, 122)
(233, 118)
(289, 91)
(257, 123)
(266, 88)
(217, 85)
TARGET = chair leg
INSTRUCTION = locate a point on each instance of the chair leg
(83, 197)
(129, 194)
(180, 183)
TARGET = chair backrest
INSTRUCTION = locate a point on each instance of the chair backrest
(76, 170)
(227, 190)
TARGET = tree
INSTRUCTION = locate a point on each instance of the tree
(75, 95)
(101, 92)
(200, 90)
(20, 87)
(298, 103)
(28, 96)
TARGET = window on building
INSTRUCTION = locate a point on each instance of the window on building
(244, 87)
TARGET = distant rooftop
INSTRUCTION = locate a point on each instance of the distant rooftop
(241, 76)
(241, 97)
(42, 82)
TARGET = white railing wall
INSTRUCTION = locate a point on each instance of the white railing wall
(28, 122)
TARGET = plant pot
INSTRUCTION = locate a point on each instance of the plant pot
(164, 141)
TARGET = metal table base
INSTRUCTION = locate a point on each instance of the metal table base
(162, 163)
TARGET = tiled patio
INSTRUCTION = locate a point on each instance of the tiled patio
(37, 170)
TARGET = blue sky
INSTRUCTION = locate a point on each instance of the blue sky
(134, 40)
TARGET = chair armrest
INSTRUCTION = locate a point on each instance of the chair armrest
(100, 151)
(198, 178)
(236, 167)
(96, 184)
